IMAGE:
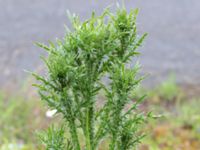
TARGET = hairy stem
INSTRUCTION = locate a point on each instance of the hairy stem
(88, 140)
(74, 135)
(89, 109)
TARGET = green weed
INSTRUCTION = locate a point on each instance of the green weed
(98, 47)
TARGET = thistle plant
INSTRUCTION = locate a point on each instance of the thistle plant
(99, 47)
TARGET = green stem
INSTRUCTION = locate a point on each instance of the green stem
(112, 145)
(116, 122)
(89, 124)
(72, 125)
(89, 110)
(74, 135)
(88, 140)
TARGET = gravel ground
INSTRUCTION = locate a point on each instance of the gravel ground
(173, 44)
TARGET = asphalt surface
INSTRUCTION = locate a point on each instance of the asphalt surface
(173, 44)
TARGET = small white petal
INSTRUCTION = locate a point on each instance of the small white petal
(50, 113)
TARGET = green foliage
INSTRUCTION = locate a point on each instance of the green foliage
(15, 146)
(16, 125)
(169, 89)
(8, 145)
(166, 90)
(98, 47)
(14, 118)
(54, 139)
(189, 111)
(178, 129)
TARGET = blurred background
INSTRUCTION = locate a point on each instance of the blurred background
(172, 47)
